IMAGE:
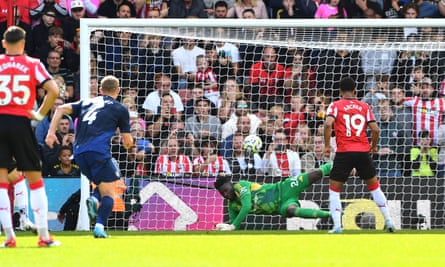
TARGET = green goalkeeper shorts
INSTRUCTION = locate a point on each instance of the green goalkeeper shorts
(290, 190)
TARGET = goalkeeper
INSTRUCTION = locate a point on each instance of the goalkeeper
(278, 198)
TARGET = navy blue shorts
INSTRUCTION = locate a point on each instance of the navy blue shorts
(344, 162)
(98, 167)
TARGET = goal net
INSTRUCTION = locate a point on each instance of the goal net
(196, 88)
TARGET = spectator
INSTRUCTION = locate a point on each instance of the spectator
(152, 59)
(220, 65)
(65, 167)
(55, 42)
(335, 63)
(230, 93)
(414, 83)
(260, 11)
(296, 116)
(90, 6)
(314, 158)
(297, 9)
(133, 110)
(392, 145)
(71, 24)
(206, 77)
(265, 83)
(184, 61)
(376, 61)
(424, 156)
(119, 59)
(243, 127)
(186, 9)
(197, 93)
(171, 163)
(331, 9)
(241, 109)
(220, 10)
(202, 123)
(125, 9)
(159, 125)
(377, 93)
(299, 76)
(209, 163)
(301, 142)
(243, 165)
(42, 127)
(53, 62)
(94, 86)
(227, 50)
(279, 160)
(65, 136)
(145, 8)
(427, 110)
(38, 10)
(152, 102)
(40, 31)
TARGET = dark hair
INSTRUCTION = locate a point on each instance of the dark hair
(221, 4)
(424, 134)
(14, 34)
(202, 99)
(221, 181)
(347, 84)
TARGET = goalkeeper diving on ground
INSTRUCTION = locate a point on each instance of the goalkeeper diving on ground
(277, 198)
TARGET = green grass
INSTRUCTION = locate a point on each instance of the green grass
(237, 249)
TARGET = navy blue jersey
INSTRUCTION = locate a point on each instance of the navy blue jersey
(97, 120)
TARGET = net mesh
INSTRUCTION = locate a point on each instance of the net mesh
(225, 83)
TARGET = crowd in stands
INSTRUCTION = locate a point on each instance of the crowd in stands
(193, 102)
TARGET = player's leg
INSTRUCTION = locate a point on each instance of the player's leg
(106, 190)
(368, 172)
(21, 199)
(5, 210)
(294, 210)
(338, 176)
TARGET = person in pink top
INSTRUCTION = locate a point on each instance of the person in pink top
(331, 9)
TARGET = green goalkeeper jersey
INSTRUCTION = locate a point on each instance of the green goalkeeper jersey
(251, 197)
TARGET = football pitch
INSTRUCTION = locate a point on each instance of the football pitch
(238, 249)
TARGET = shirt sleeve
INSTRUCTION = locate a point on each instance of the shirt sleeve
(246, 203)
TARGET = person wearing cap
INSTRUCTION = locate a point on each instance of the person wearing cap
(71, 24)
(427, 110)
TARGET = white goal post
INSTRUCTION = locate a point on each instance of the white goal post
(378, 47)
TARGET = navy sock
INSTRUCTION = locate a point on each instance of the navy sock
(96, 193)
(104, 211)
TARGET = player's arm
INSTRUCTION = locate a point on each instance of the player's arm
(375, 132)
(246, 205)
(327, 135)
(52, 92)
(61, 110)
(127, 140)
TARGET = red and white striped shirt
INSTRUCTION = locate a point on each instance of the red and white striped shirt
(220, 165)
(427, 115)
(165, 166)
(206, 76)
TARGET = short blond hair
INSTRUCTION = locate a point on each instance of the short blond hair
(109, 83)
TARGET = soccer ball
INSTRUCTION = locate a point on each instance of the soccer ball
(252, 144)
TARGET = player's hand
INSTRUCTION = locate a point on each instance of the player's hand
(225, 227)
(51, 139)
(327, 152)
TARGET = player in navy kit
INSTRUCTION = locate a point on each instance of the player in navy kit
(350, 118)
(98, 119)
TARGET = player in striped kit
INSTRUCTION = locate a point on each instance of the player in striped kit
(172, 163)
(98, 119)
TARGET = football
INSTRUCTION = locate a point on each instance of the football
(252, 144)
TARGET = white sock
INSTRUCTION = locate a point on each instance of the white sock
(380, 199)
(39, 204)
(5, 213)
(335, 208)
(21, 198)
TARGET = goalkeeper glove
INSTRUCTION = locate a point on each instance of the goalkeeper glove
(225, 227)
